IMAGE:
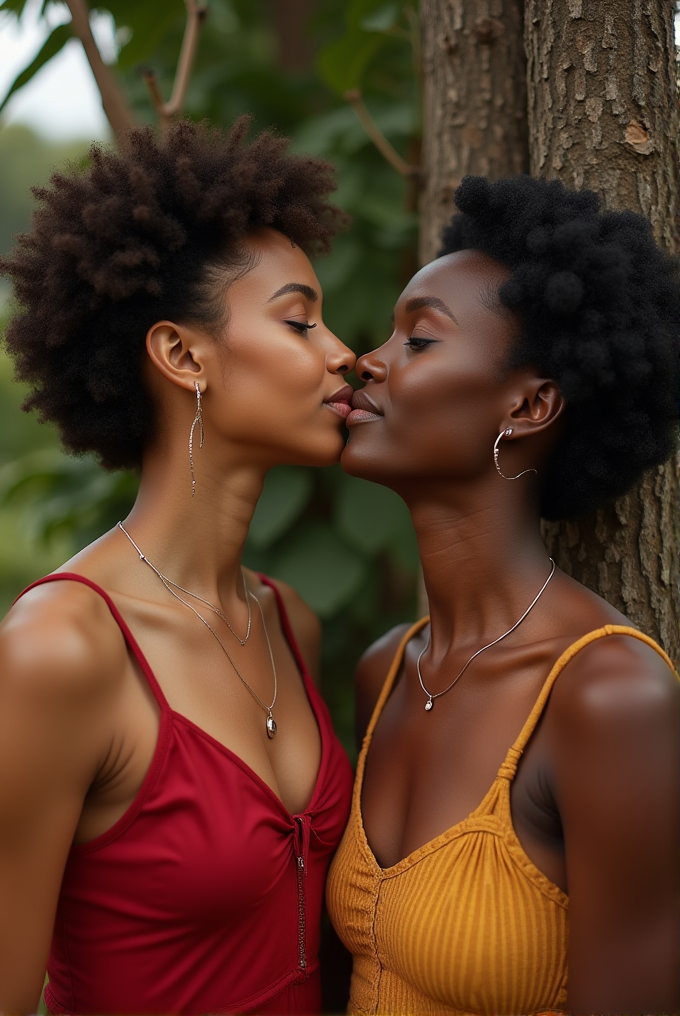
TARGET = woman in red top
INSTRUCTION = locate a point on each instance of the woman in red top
(171, 791)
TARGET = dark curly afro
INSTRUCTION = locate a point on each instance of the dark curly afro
(599, 310)
(153, 232)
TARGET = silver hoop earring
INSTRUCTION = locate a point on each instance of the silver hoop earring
(198, 419)
(506, 433)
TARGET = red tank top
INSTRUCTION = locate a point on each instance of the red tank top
(206, 896)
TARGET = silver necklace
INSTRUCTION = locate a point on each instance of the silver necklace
(216, 610)
(432, 696)
(270, 722)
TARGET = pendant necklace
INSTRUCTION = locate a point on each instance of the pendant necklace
(211, 606)
(431, 696)
(171, 586)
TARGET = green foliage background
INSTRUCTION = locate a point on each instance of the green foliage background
(345, 545)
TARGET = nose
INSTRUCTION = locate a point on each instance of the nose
(371, 367)
(341, 359)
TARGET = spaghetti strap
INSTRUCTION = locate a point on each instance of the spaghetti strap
(509, 767)
(511, 761)
(287, 628)
(378, 708)
(208, 845)
(115, 613)
(134, 645)
(392, 673)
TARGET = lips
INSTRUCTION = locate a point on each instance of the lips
(340, 401)
(364, 408)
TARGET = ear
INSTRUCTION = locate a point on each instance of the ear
(176, 351)
(537, 406)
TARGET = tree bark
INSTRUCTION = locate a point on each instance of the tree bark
(602, 114)
(474, 87)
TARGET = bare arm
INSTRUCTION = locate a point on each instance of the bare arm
(53, 701)
(617, 786)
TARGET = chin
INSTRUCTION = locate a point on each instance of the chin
(363, 466)
(366, 461)
(321, 454)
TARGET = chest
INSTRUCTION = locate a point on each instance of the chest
(223, 694)
(426, 772)
(459, 923)
(208, 894)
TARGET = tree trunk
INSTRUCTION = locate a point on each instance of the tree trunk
(474, 102)
(602, 114)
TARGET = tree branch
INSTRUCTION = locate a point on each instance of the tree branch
(377, 137)
(154, 91)
(118, 113)
(196, 15)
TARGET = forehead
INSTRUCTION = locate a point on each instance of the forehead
(270, 244)
(275, 261)
(463, 279)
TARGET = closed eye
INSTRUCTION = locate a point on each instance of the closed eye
(415, 343)
(300, 326)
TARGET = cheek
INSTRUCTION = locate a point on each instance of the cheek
(271, 396)
(436, 408)
(431, 423)
(274, 373)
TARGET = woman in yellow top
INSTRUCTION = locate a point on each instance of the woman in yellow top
(513, 841)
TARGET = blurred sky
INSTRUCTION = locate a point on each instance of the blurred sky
(61, 101)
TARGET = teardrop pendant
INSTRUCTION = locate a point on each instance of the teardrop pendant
(271, 727)
(429, 704)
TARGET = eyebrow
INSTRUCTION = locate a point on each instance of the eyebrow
(296, 287)
(429, 301)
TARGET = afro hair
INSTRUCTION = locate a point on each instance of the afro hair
(154, 231)
(599, 310)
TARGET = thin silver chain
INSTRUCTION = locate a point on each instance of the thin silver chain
(271, 724)
(216, 610)
(432, 696)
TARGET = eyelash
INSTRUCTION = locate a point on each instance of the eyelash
(300, 326)
(416, 344)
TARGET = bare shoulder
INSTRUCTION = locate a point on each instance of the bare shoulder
(58, 642)
(371, 672)
(304, 622)
(614, 722)
(616, 690)
(62, 659)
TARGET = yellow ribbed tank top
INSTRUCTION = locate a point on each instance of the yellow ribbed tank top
(466, 924)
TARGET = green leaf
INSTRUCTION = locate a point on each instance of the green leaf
(383, 19)
(287, 490)
(369, 516)
(150, 24)
(342, 64)
(60, 494)
(56, 41)
(333, 273)
(321, 134)
(359, 11)
(13, 7)
(321, 567)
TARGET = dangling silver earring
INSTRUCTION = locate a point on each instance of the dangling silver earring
(507, 433)
(198, 419)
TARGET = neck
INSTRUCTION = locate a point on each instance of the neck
(197, 541)
(481, 567)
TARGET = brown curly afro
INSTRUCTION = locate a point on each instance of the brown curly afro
(599, 310)
(155, 231)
